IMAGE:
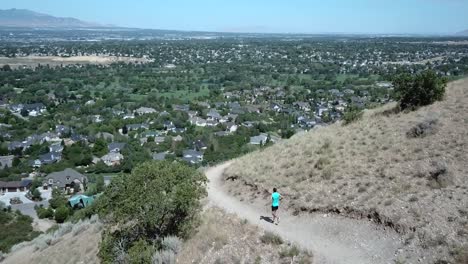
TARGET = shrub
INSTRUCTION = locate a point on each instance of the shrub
(45, 212)
(425, 128)
(58, 199)
(351, 115)
(61, 214)
(422, 89)
(163, 257)
(289, 252)
(172, 243)
(169, 206)
(140, 252)
(270, 238)
(36, 195)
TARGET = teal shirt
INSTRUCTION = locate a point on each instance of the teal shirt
(275, 197)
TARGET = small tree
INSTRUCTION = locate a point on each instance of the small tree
(159, 199)
(36, 195)
(422, 89)
(58, 199)
(61, 214)
(351, 115)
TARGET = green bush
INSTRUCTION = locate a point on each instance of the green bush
(36, 195)
(159, 199)
(140, 252)
(419, 90)
(15, 228)
(352, 115)
(45, 212)
(58, 199)
(61, 214)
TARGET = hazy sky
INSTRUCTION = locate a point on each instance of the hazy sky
(298, 16)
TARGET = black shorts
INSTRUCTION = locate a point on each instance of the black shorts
(274, 208)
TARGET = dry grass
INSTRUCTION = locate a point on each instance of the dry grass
(392, 164)
(70, 243)
(223, 238)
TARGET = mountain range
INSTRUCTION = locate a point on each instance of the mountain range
(463, 33)
(23, 18)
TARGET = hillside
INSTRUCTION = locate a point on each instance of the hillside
(223, 236)
(28, 19)
(404, 170)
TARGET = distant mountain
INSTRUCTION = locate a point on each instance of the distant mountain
(22, 18)
(463, 33)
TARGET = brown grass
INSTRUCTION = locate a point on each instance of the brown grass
(223, 238)
(77, 243)
(388, 163)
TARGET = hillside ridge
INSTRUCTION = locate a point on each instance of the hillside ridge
(403, 168)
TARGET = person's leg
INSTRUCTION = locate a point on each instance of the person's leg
(273, 212)
(277, 216)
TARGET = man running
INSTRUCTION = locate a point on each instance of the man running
(275, 199)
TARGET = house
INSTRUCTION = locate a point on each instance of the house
(112, 159)
(50, 158)
(145, 110)
(159, 140)
(35, 109)
(213, 115)
(65, 180)
(231, 126)
(6, 161)
(49, 137)
(62, 130)
(133, 127)
(248, 124)
(259, 140)
(252, 109)
(15, 186)
(192, 113)
(17, 145)
(79, 138)
(306, 122)
(199, 145)
(105, 135)
(192, 156)
(56, 147)
(197, 121)
(204, 104)
(128, 116)
(168, 125)
(304, 106)
(160, 156)
(182, 108)
(275, 107)
(116, 147)
(178, 138)
(222, 133)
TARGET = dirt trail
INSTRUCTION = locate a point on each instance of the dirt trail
(332, 239)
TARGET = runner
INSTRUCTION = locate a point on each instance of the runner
(275, 199)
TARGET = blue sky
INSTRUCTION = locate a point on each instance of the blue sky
(287, 16)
